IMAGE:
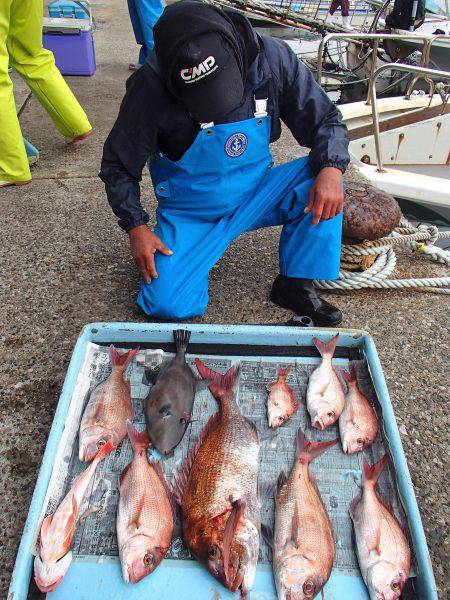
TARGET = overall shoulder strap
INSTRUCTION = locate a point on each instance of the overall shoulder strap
(261, 97)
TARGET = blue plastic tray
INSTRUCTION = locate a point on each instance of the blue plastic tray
(187, 580)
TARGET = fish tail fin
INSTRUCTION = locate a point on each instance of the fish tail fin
(350, 378)
(308, 451)
(103, 452)
(139, 439)
(181, 338)
(326, 349)
(371, 473)
(219, 382)
(121, 360)
(283, 373)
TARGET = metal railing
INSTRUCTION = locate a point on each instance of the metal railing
(420, 72)
(427, 39)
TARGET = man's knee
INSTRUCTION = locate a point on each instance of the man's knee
(165, 301)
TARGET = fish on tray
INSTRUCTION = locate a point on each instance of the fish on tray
(218, 492)
(383, 551)
(144, 513)
(171, 398)
(108, 409)
(281, 403)
(54, 558)
(325, 396)
(302, 544)
(358, 423)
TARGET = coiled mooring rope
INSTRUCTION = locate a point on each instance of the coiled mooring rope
(382, 260)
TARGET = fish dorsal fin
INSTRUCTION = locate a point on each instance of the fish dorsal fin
(45, 527)
(267, 533)
(295, 526)
(282, 478)
(181, 477)
(160, 473)
(386, 503)
(265, 490)
(69, 527)
(353, 504)
(229, 533)
(123, 474)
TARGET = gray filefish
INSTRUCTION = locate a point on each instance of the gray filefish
(170, 400)
(303, 547)
(217, 489)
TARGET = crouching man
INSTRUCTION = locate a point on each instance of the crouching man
(202, 112)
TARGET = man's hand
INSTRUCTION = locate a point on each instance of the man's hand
(144, 244)
(326, 197)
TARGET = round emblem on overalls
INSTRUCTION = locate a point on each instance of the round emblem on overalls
(236, 144)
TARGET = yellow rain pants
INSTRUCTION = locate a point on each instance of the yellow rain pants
(21, 47)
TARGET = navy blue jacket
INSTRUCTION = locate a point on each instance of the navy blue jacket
(151, 118)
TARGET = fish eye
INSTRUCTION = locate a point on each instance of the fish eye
(330, 414)
(101, 443)
(309, 587)
(148, 559)
(395, 586)
(164, 411)
(214, 552)
(360, 441)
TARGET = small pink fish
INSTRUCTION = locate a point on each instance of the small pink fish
(358, 424)
(303, 546)
(54, 558)
(382, 548)
(144, 514)
(281, 403)
(108, 409)
(325, 396)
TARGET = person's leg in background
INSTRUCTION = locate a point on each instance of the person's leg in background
(143, 15)
(345, 11)
(14, 167)
(37, 67)
(138, 34)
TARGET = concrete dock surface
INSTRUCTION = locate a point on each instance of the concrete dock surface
(65, 263)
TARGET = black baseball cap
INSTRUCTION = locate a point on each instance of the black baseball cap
(207, 77)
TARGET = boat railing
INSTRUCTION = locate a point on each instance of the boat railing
(427, 40)
(420, 72)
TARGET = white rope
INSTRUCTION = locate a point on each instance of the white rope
(419, 239)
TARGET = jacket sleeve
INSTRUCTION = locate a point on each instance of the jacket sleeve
(132, 140)
(313, 119)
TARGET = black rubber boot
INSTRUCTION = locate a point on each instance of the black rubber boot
(300, 296)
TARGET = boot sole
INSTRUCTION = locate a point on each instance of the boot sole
(318, 322)
(16, 183)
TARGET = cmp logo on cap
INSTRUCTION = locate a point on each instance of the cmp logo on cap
(236, 144)
(193, 74)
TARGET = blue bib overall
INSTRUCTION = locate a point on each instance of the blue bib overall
(224, 185)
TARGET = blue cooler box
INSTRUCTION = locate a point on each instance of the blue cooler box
(68, 9)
